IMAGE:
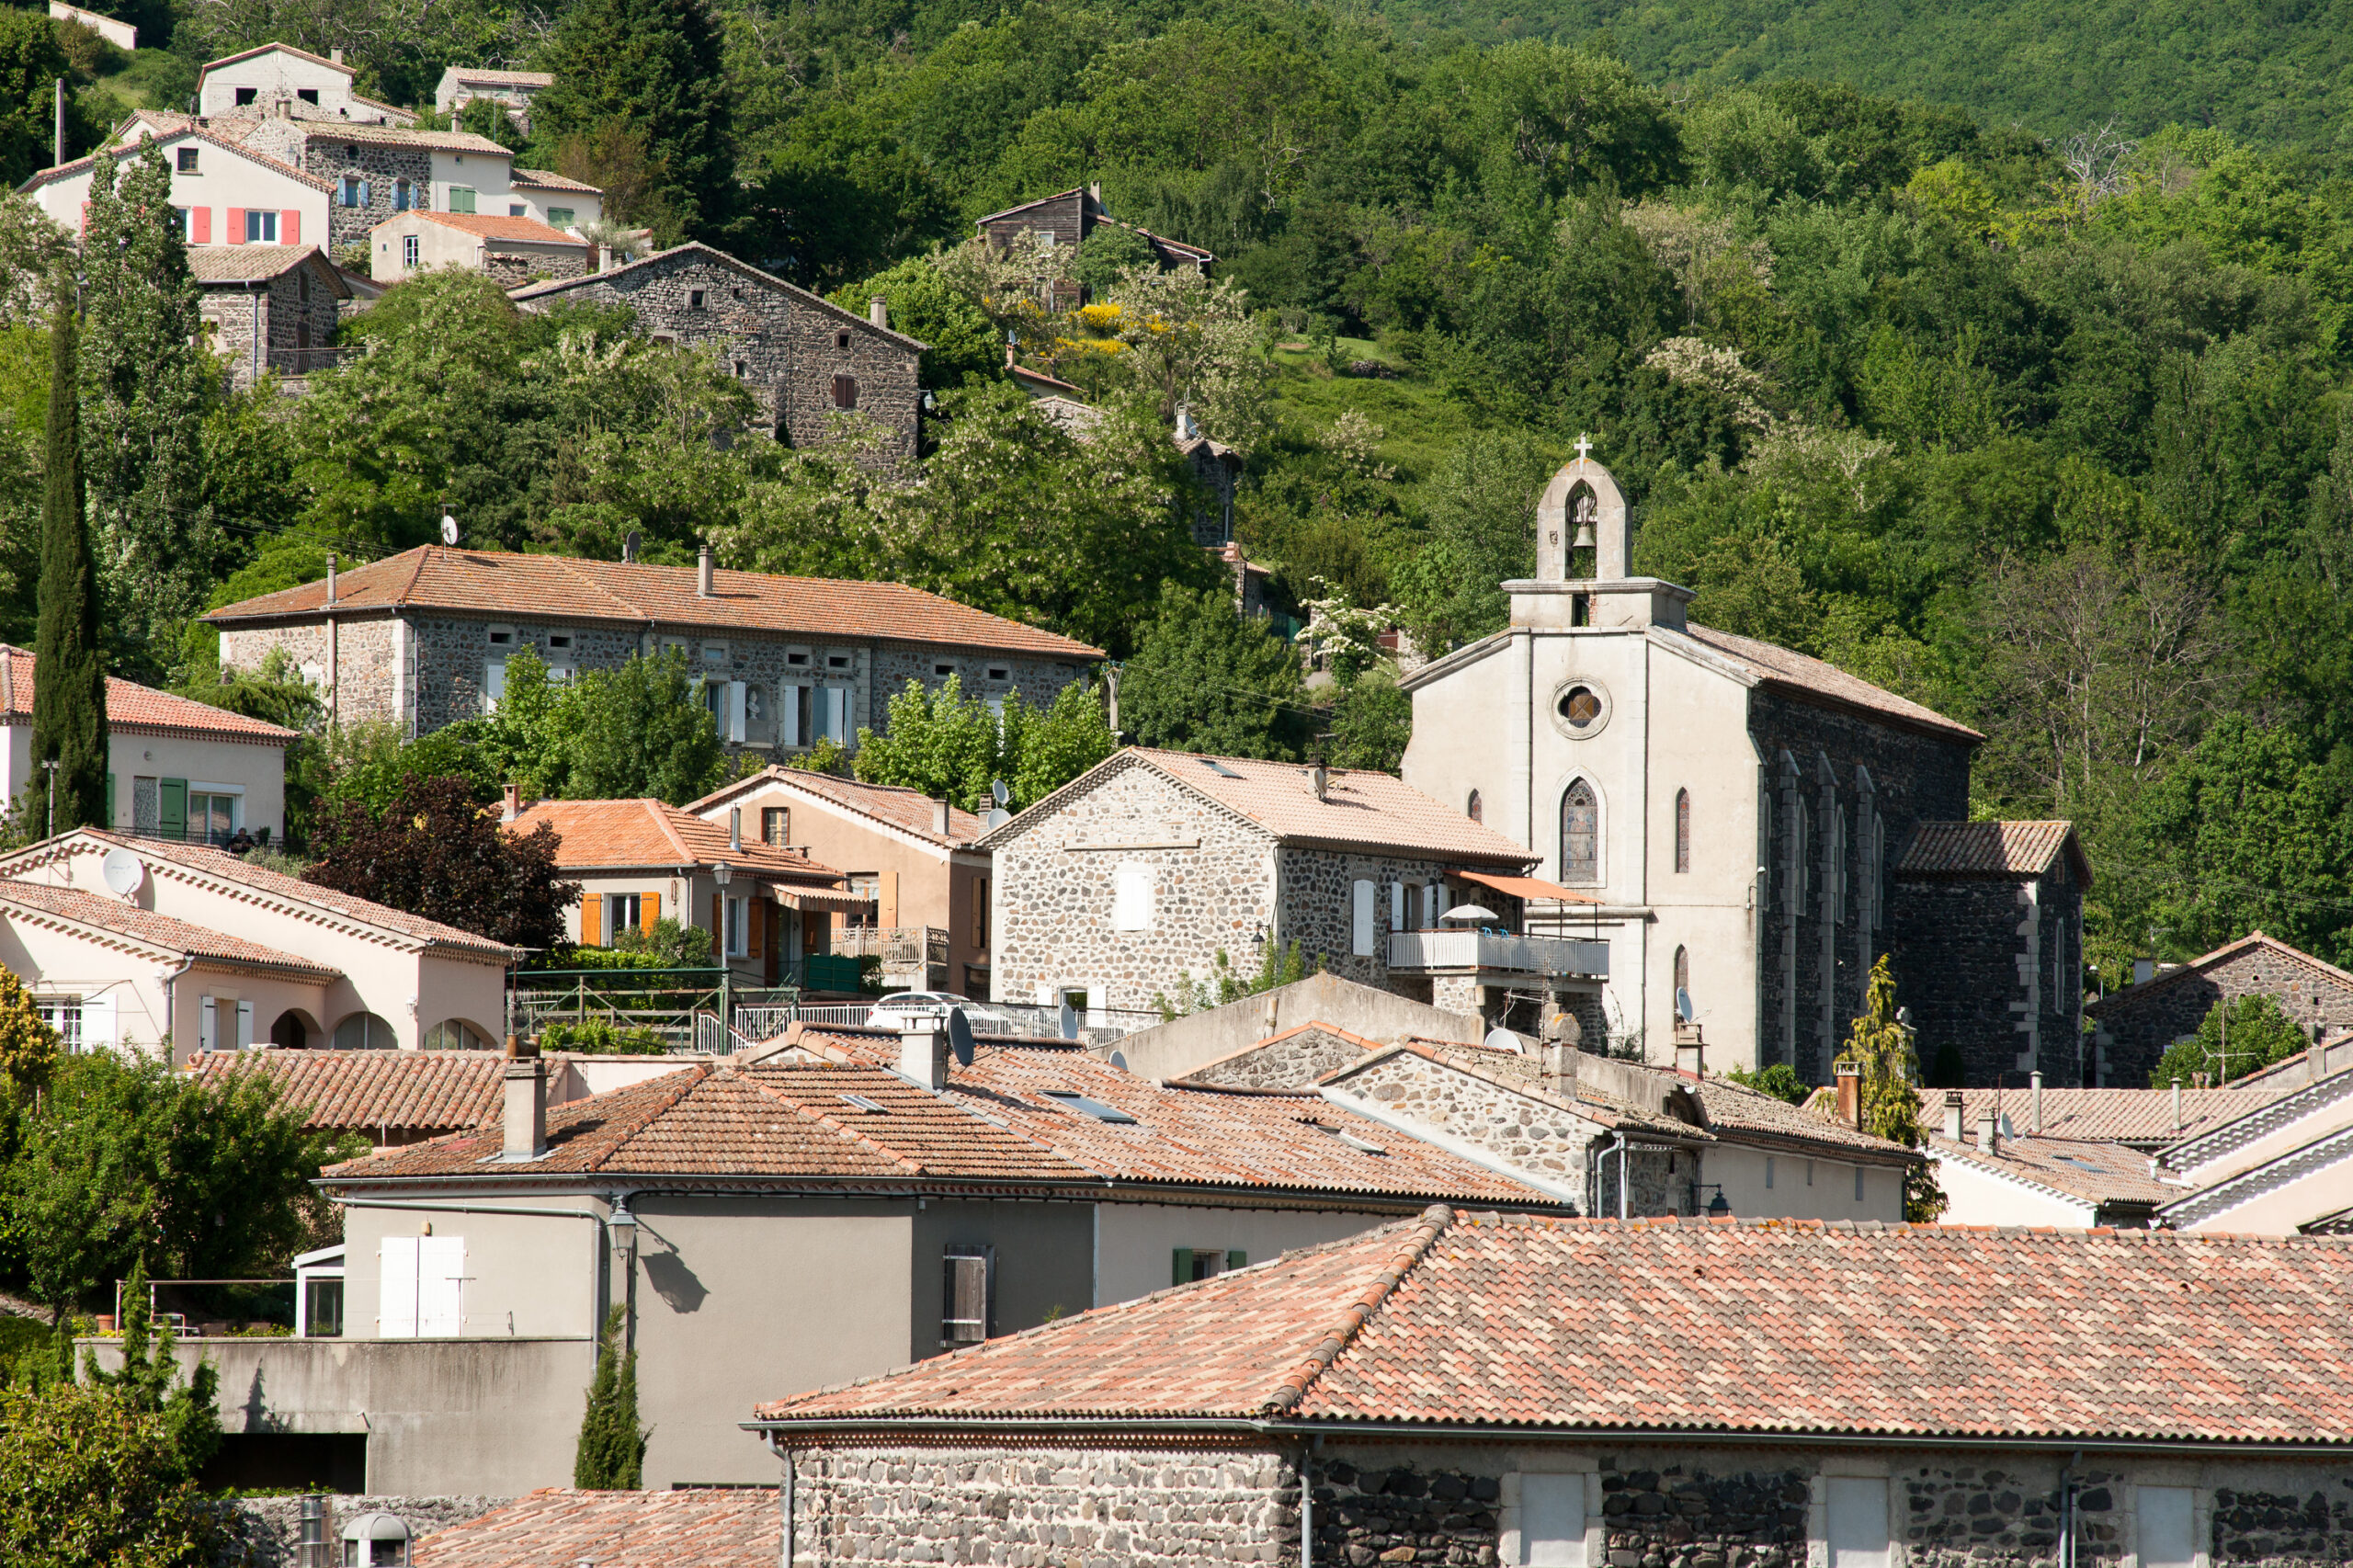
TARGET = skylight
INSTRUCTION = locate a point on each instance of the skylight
(870, 1107)
(1071, 1100)
(1214, 766)
(1360, 1146)
(2079, 1164)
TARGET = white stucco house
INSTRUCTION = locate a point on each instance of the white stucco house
(192, 944)
(255, 79)
(226, 192)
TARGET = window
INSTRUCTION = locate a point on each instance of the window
(365, 1031)
(980, 912)
(1859, 1184)
(421, 1284)
(1580, 708)
(246, 95)
(213, 816)
(1769, 1173)
(841, 340)
(1551, 1521)
(461, 200)
(623, 912)
(1084, 1105)
(494, 683)
(1188, 1264)
(1360, 897)
(62, 1013)
(560, 217)
(409, 250)
(776, 825)
(1857, 1521)
(694, 299)
(1000, 672)
(1474, 808)
(1131, 898)
(2168, 1519)
(349, 195)
(797, 661)
(402, 199)
(185, 160)
(1683, 830)
(967, 1284)
(322, 1309)
(261, 228)
(179, 227)
(308, 94)
(1580, 834)
(559, 640)
(739, 921)
(223, 1024)
(845, 392)
(1682, 979)
(837, 660)
(741, 369)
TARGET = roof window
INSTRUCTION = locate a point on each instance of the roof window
(1361, 1146)
(861, 1104)
(1218, 768)
(1071, 1100)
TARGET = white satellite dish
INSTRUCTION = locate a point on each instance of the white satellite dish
(1683, 1004)
(1069, 1020)
(448, 528)
(1503, 1039)
(123, 871)
(998, 816)
(998, 792)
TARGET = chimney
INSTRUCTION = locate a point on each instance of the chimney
(1952, 1115)
(1690, 1054)
(1560, 1059)
(336, 55)
(330, 577)
(923, 1052)
(2034, 1116)
(704, 573)
(514, 803)
(2315, 1059)
(735, 829)
(282, 108)
(2144, 971)
(1318, 779)
(1849, 1077)
(939, 818)
(1989, 1133)
(1184, 422)
(527, 1101)
(878, 310)
(2177, 1105)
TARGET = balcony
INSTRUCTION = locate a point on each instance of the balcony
(1413, 952)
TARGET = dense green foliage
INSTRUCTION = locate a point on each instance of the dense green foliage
(954, 747)
(1205, 681)
(2237, 1037)
(611, 1454)
(147, 1378)
(437, 851)
(1881, 1047)
(69, 677)
(89, 1476)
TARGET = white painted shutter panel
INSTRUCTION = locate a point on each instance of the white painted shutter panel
(208, 1034)
(1396, 907)
(1131, 898)
(493, 684)
(1363, 945)
(1551, 1521)
(396, 1288)
(244, 1025)
(837, 713)
(1857, 1521)
(98, 1023)
(736, 711)
(440, 1271)
(789, 721)
(2168, 1519)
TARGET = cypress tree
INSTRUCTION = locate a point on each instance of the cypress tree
(69, 680)
(611, 1456)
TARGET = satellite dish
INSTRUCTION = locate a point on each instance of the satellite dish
(1120, 1060)
(960, 1036)
(1069, 1020)
(998, 816)
(998, 792)
(448, 528)
(2008, 1130)
(631, 543)
(1683, 1004)
(123, 871)
(1503, 1039)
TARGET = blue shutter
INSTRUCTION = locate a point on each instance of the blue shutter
(367, 194)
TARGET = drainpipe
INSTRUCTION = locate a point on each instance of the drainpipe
(1599, 1161)
(784, 1511)
(1307, 1500)
(171, 981)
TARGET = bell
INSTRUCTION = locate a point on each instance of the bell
(1585, 540)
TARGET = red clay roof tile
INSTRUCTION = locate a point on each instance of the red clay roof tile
(732, 1526)
(369, 1091)
(130, 706)
(158, 930)
(647, 832)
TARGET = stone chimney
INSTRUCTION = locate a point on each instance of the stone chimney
(1989, 1133)
(527, 1101)
(735, 829)
(2034, 1112)
(1953, 1115)
(923, 1051)
(1849, 1093)
(336, 55)
(704, 573)
(939, 818)
(878, 310)
(514, 807)
(330, 577)
(1690, 1051)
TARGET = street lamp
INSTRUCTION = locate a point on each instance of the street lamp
(52, 766)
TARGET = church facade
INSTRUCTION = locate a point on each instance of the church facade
(1738, 811)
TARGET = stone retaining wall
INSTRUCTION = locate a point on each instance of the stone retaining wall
(267, 1531)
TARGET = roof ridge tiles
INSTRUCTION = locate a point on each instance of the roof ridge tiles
(1410, 1250)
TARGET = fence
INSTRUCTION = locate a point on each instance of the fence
(674, 1004)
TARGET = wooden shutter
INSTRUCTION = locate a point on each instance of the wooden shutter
(754, 936)
(396, 1288)
(1236, 1258)
(1180, 1265)
(236, 234)
(886, 899)
(965, 1298)
(290, 228)
(171, 808)
(649, 910)
(200, 226)
(719, 925)
(845, 392)
(592, 921)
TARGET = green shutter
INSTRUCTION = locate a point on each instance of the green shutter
(1181, 1271)
(171, 808)
(1237, 1259)
(109, 800)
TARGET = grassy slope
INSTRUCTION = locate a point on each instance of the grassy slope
(1419, 422)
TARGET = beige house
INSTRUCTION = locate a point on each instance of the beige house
(926, 890)
(176, 769)
(514, 90)
(513, 249)
(126, 941)
(278, 77)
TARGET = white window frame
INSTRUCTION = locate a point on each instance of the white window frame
(67, 1016)
(614, 924)
(739, 923)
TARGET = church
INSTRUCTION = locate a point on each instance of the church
(1752, 826)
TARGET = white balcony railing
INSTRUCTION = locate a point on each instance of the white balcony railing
(1410, 951)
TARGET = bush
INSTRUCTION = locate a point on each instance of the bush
(2258, 1035)
(601, 1037)
(87, 1477)
(1780, 1080)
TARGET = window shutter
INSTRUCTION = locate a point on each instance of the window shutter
(290, 229)
(396, 1288)
(592, 921)
(964, 1304)
(1180, 1266)
(719, 923)
(1235, 1258)
(171, 807)
(236, 236)
(1396, 907)
(441, 1286)
(206, 1030)
(200, 226)
(367, 194)
(1363, 899)
(793, 696)
(110, 800)
(754, 947)
(244, 1026)
(97, 1022)
(649, 910)
(736, 711)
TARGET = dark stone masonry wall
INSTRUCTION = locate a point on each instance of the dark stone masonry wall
(1292, 1064)
(1405, 1514)
(2135, 1026)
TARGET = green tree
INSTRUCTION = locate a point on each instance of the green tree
(655, 67)
(961, 343)
(642, 729)
(611, 1455)
(1881, 1047)
(85, 1477)
(438, 852)
(148, 1381)
(953, 747)
(29, 1051)
(2237, 1037)
(1207, 680)
(1053, 748)
(69, 676)
(147, 379)
(1373, 722)
(1777, 1079)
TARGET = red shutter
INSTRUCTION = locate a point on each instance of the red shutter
(290, 227)
(85, 218)
(200, 226)
(236, 236)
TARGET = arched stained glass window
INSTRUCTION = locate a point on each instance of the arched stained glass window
(1580, 835)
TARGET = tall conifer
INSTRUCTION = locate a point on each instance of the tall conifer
(611, 1455)
(69, 680)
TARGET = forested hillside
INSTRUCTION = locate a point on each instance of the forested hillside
(2044, 427)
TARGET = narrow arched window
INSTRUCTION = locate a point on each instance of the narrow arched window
(1474, 809)
(1682, 832)
(1682, 977)
(1580, 835)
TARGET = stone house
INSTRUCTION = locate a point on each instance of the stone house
(461, 85)
(809, 362)
(512, 251)
(1469, 1389)
(1734, 809)
(263, 79)
(288, 299)
(2132, 1028)
(1989, 928)
(1064, 220)
(1125, 885)
(423, 637)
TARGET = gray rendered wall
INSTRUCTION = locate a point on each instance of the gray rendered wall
(1176, 1048)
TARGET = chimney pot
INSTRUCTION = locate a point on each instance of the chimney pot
(1989, 1133)
(2034, 1117)
(330, 577)
(514, 803)
(704, 573)
(939, 818)
(878, 310)
(1953, 1120)
(735, 828)
(1690, 1051)
(336, 55)
(2177, 1105)
(923, 1052)
(526, 1083)
(1849, 1078)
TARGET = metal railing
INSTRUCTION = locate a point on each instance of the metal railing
(205, 833)
(1486, 950)
(674, 1004)
(1096, 1026)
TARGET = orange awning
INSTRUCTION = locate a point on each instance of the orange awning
(822, 900)
(1527, 887)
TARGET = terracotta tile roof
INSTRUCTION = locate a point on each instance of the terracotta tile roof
(496, 226)
(732, 1526)
(335, 129)
(1736, 1110)
(1810, 677)
(647, 832)
(1523, 1075)
(145, 925)
(1361, 809)
(2272, 946)
(695, 250)
(909, 811)
(369, 1091)
(1991, 849)
(220, 865)
(548, 179)
(490, 583)
(229, 140)
(130, 706)
(252, 264)
(479, 77)
(1748, 1326)
(2143, 1117)
(2112, 1176)
(992, 1124)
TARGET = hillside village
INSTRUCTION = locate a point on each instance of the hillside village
(739, 838)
